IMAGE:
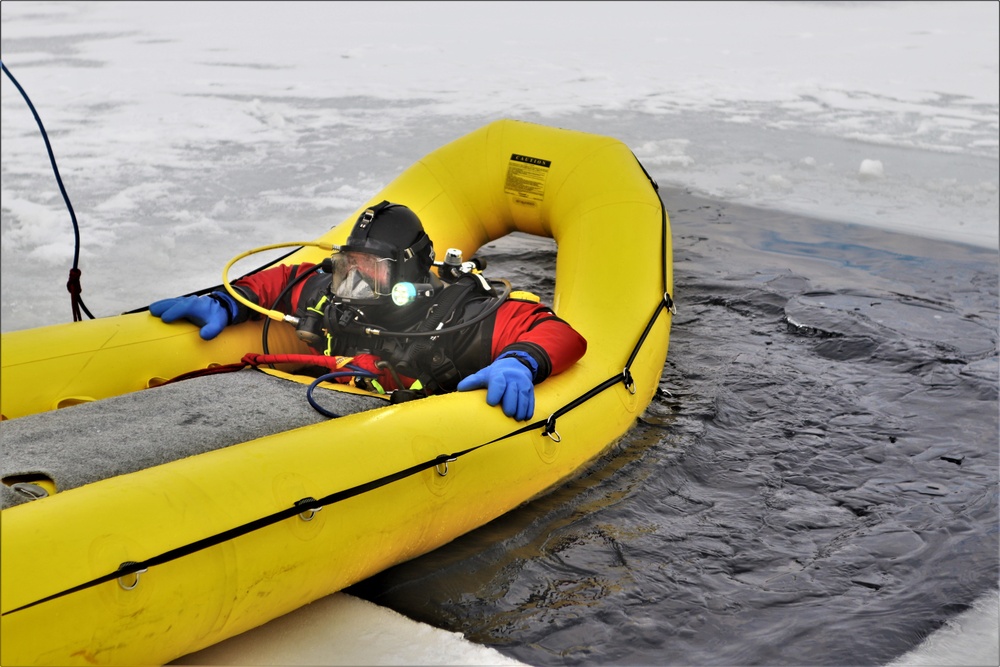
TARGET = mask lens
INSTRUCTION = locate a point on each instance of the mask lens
(359, 275)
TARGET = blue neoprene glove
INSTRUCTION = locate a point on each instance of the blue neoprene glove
(207, 312)
(508, 380)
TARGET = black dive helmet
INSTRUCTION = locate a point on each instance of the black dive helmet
(387, 245)
(389, 242)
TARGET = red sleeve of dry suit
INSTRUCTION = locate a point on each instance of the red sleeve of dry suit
(265, 286)
(535, 329)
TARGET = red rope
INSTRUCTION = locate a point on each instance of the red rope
(333, 363)
(255, 359)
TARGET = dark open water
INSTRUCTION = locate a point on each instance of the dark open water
(814, 484)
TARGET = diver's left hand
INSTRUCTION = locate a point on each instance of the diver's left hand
(509, 381)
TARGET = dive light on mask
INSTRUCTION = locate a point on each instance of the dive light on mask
(406, 293)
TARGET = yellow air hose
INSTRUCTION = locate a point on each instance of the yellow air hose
(273, 314)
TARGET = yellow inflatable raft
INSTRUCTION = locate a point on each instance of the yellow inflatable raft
(143, 567)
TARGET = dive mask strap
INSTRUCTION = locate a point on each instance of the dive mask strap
(364, 223)
(411, 252)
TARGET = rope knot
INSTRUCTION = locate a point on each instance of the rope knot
(73, 284)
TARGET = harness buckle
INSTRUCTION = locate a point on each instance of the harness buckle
(366, 218)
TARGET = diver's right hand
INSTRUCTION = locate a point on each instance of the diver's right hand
(205, 311)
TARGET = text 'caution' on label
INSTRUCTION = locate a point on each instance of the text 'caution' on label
(526, 178)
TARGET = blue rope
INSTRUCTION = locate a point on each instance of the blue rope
(74, 272)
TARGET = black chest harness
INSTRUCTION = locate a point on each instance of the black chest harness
(438, 340)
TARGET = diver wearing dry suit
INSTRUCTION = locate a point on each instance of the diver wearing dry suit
(376, 295)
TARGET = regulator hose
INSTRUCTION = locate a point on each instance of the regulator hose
(271, 314)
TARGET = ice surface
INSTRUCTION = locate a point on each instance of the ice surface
(345, 630)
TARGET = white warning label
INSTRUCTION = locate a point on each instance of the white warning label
(526, 178)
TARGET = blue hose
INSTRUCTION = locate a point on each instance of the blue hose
(357, 372)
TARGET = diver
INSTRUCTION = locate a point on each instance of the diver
(376, 303)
